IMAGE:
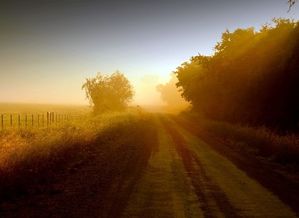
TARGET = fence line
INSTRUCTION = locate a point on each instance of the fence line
(38, 120)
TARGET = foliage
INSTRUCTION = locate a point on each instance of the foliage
(108, 93)
(252, 77)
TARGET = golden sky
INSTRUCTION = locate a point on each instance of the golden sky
(49, 47)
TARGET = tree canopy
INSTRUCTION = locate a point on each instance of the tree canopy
(251, 78)
(108, 92)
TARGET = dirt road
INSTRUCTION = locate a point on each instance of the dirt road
(181, 176)
(186, 178)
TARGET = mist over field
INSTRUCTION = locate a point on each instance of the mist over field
(149, 108)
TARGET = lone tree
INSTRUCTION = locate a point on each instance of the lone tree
(108, 92)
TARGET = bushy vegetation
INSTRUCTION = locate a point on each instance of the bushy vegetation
(252, 78)
(108, 92)
(257, 142)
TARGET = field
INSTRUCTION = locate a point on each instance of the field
(140, 164)
(22, 108)
(149, 109)
(24, 116)
(32, 159)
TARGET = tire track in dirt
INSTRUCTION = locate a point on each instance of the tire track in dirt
(262, 172)
(206, 190)
(164, 189)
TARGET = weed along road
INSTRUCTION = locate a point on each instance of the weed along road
(176, 174)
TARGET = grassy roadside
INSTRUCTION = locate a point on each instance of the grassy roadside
(268, 158)
(260, 142)
(31, 159)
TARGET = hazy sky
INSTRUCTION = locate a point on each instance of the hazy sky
(48, 47)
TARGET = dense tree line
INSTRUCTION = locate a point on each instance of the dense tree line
(252, 78)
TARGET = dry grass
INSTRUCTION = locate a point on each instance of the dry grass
(31, 157)
(260, 141)
(43, 108)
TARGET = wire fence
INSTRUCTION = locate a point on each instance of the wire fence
(40, 120)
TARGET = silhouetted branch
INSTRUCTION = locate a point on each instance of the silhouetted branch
(291, 3)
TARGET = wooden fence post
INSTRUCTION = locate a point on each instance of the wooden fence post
(19, 120)
(26, 119)
(2, 121)
(11, 120)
